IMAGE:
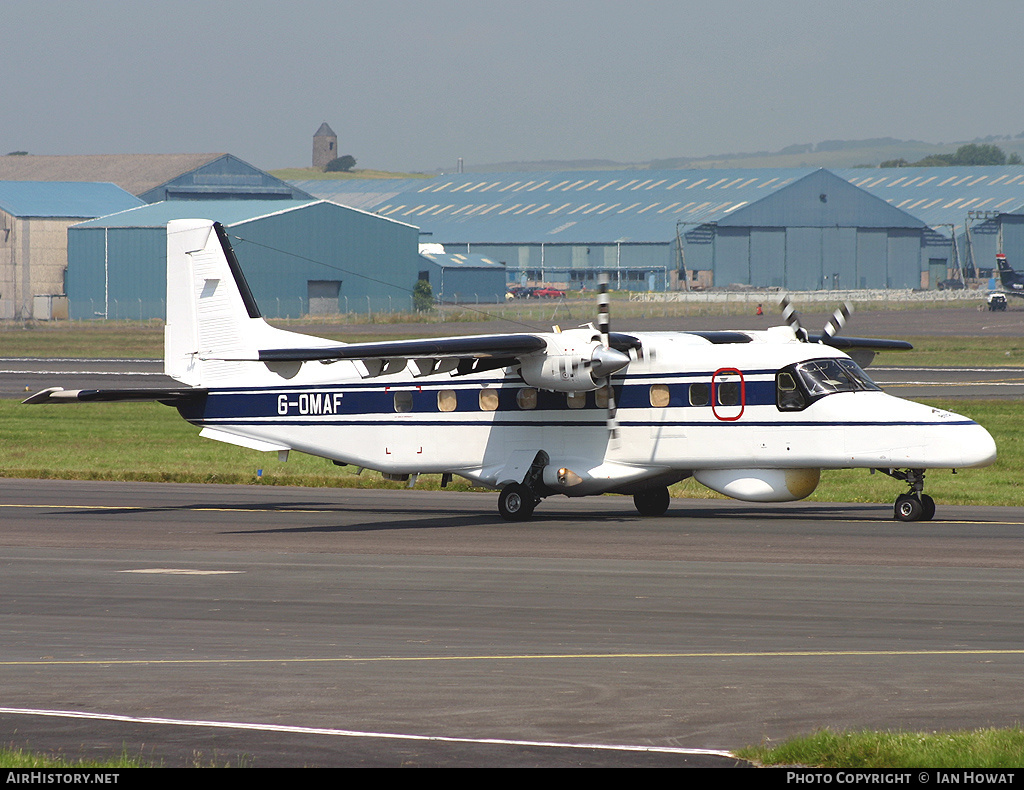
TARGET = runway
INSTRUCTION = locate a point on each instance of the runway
(280, 626)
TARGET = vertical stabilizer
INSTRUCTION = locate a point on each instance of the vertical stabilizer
(211, 314)
(214, 331)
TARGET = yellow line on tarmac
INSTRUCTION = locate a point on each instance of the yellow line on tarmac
(512, 657)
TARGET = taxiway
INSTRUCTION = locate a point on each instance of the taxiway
(282, 626)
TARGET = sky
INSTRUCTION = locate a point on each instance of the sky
(414, 85)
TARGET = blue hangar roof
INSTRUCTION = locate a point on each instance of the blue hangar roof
(67, 199)
(454, 260)
(570, 207)
(942, 196)
(227, 212)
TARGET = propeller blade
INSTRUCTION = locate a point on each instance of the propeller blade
(837, 321)
(604, 321)
(792, 317)
(612, 420)
(604, 317)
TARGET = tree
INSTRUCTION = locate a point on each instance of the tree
(422, 297)
(976, 155)
(341, 164)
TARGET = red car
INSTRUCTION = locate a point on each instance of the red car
(549, 293)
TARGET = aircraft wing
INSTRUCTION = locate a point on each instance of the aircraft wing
(479, 351)
(869, 343)
(469, 347)
(171, 397)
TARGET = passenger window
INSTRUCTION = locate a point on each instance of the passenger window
(788, 396)
(526, 398)
(446, 400)
(659, 395)
(403, 401)
(601, 397)
(699, 394)
(576, 400)
(488, 400)
(727, 393)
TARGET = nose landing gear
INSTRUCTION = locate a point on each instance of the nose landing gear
(914, 505)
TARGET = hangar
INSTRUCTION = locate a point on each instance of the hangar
(298, 256)
(34, 218)
(800, 229)
(977, 212)
(462, 279)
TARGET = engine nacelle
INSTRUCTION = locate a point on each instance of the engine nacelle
(761, 485)
(572, 362)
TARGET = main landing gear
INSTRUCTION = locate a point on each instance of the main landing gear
(914, 505)
(516, 502)
(652, 501)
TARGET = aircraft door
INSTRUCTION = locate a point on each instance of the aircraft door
(728, 394)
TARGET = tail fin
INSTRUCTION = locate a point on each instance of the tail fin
(1011, 279)
(214, 331)
(207, 312)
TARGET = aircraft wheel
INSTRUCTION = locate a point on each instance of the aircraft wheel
(652, 502)
(516, 502)
(909, 508)
(928, 508)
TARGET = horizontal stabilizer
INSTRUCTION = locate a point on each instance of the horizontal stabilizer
(171, 397)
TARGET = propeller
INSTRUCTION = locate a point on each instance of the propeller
(836, 322)
(832, 327)
(604, 327)
(792, 317)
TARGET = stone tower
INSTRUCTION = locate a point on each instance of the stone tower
(325, 145)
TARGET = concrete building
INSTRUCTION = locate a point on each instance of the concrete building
(325, 146)
(34, 218)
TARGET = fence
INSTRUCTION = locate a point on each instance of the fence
(827, 297)
(147, 309)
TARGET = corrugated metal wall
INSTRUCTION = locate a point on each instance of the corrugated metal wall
(121, 272)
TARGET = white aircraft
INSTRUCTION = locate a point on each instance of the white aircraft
(754, 415)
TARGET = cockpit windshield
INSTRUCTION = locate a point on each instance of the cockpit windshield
(799, 385)
(825, 376)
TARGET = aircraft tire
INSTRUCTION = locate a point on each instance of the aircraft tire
(928, 505)
(652, 502)
(516, 502)
(908, 508)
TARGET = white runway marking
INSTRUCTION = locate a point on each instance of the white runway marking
(67, 714)
(179, 571)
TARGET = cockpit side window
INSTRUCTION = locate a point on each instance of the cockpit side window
(788, 396)
(799, 385)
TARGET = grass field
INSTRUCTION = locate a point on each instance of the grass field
(977, 749)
